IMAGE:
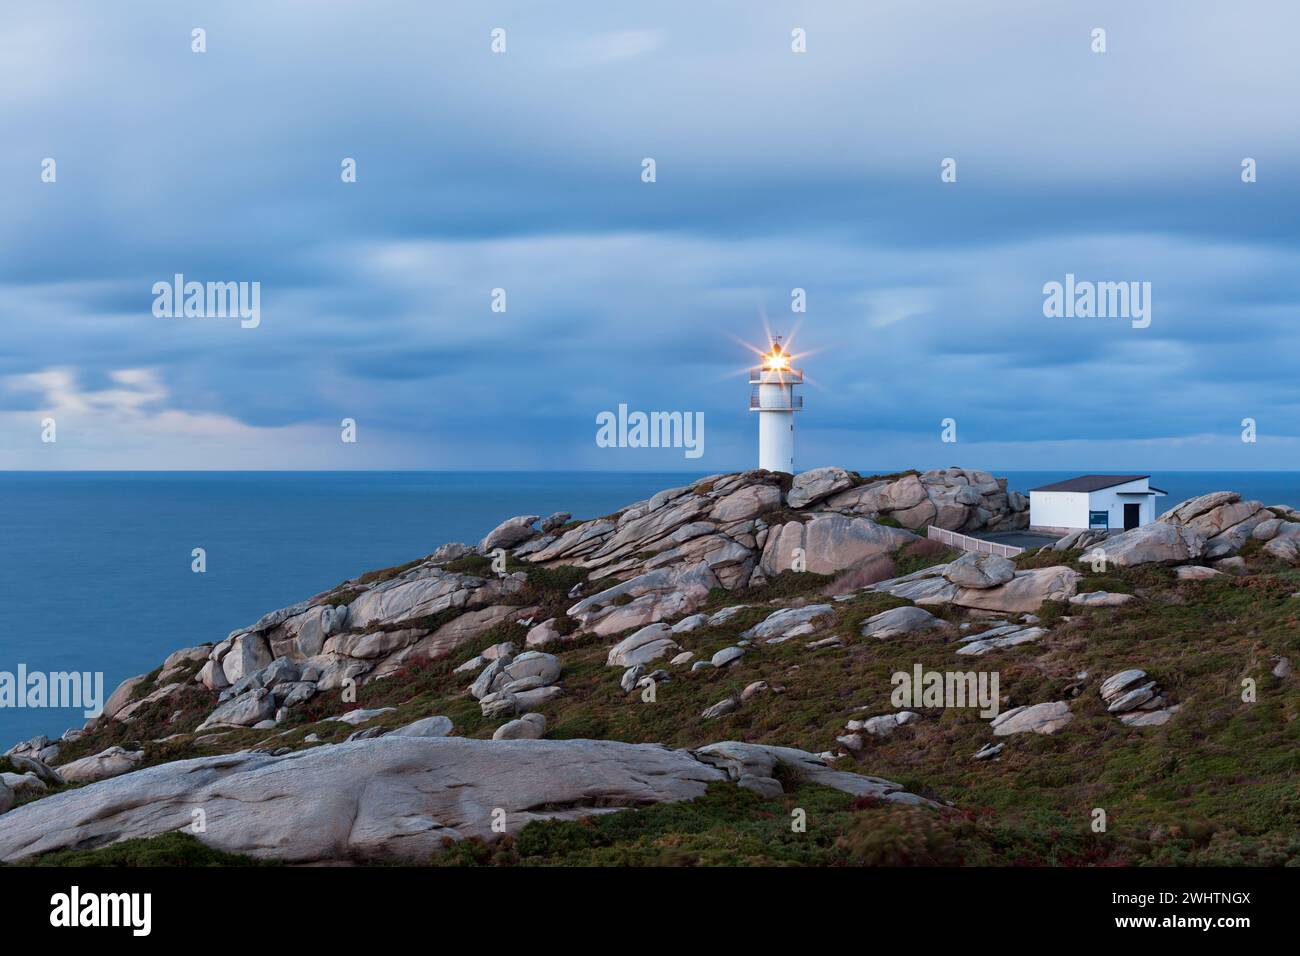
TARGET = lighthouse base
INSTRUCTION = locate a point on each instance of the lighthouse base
(776, 441)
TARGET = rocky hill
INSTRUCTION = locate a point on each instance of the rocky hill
(713, 662)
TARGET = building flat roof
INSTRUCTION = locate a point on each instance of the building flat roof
(1091, 483)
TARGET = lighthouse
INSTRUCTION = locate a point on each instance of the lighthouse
(772, 396)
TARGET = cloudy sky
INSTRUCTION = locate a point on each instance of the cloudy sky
(522, 170)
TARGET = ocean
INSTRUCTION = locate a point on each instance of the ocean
(95, 568)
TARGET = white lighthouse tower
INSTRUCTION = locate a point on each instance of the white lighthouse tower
(772, 396)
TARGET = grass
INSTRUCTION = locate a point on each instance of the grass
(170, 849)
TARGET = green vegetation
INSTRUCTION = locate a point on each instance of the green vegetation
(170, 849)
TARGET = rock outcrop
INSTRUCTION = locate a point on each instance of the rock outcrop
(828, 543)
(107, 763)
(1037, 718)
(902, 620)
(1137, 700)
(1158, 542)
(1024, 593)
(397, 798)
(956, 499)
(1221, 519)
(980, 571)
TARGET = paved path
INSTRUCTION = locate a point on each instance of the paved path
(1018, 539)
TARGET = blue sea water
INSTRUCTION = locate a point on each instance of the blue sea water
(95, 567)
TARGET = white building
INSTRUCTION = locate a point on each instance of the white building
(772, 396)
(1114, 502)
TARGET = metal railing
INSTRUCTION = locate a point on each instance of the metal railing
(966, 543)
(792, 403)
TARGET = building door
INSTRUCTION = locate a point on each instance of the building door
(1132, 516)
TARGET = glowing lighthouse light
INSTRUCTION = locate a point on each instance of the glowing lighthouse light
(772, 396)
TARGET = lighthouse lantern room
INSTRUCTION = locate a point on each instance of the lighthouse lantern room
(772, 396)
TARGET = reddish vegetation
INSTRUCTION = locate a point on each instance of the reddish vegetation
(871, 571)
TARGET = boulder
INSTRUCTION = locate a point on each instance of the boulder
(354, 718)
(1005, 635)
(1150, 543)
(901, 620)
(886, 724)
(1267, 529)
(1221, 517)
(748, 502)
(423, 593)
(1120, 683)
(424, 727)
(812, 486)
(248, 654)
(630, 677)
(304, 634)
(780, 622)
(528, 700)
(980, 571)
(555, 521)
(661, 594)
(212, 676)
(489, 678)
(1024, 593)
(754, 766)
(544, 668)
(727, 656)
(723, 617)
(1045, 718)
(648, 644)
(509, 533)
(37, 768)
(1084, 538)
(7, 798)
(690, 623)
(24, 784)
(1150, 718)
(107, 763)
(576, 542)
(1195, 572)
(129, 712)
(1137, 700)
(527, 727)
(539, 635)
(721, 708)
(245, 710)
(883, 497)
(647, 531)
(122, 695)
(1285, 544)
(451, 551)
(499, 704)
(829, 543)
(1101, 599)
